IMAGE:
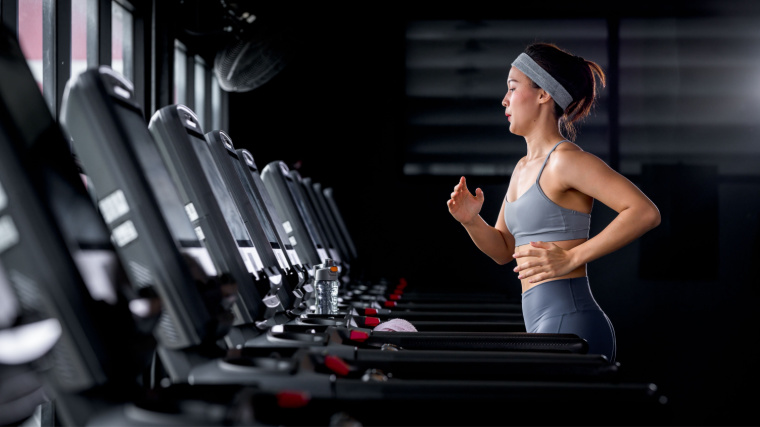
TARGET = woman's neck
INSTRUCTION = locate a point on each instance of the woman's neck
(540, 143)
(544, 133)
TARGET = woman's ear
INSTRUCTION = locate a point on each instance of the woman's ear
(543, 96)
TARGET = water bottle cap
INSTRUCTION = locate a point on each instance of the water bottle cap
(329, 273)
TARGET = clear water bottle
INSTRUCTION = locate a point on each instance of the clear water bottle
(326, 287)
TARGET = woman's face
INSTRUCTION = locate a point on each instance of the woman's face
(521, 102)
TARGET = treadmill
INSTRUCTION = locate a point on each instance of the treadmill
(180, 139)
(71, 291)
(257, 212)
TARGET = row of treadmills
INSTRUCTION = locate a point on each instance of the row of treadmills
(159, 277)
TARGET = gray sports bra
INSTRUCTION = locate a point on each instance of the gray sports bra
(534, 217)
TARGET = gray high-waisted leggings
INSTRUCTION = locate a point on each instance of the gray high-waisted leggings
(567, 306)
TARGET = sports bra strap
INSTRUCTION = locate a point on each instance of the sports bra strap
(547, 159)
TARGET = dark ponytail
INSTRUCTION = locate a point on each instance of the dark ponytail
(577, 75)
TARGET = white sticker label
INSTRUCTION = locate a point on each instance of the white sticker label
(247, 260)
(124, 233)
(113, 206)
(281, 258)
(8, 233)
(252, 261)
(199, 233)
(3, 199)
(292, 241)
(287, 227)
(191, 212)
(294, 257)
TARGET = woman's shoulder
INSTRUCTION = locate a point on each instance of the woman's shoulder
(568, 146)
(572, 151)
(570, 156)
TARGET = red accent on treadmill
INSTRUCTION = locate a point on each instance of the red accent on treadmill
(371, 321)
(394, 296)
(370, 311)
(358, 336)
(293, 398)
(398, 291)
(389, 304)
(337, 365)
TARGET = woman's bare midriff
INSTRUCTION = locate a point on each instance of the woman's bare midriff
(579, 271)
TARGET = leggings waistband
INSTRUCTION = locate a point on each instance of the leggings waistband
(559, 296)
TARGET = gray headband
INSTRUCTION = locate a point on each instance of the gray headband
(530, 68)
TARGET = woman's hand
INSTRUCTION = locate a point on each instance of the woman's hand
(549, 260)
(463, 206)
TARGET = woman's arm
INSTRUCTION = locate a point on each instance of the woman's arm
(589, 175)
(496, 242)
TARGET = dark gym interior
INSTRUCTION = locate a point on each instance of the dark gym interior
(390, 104)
